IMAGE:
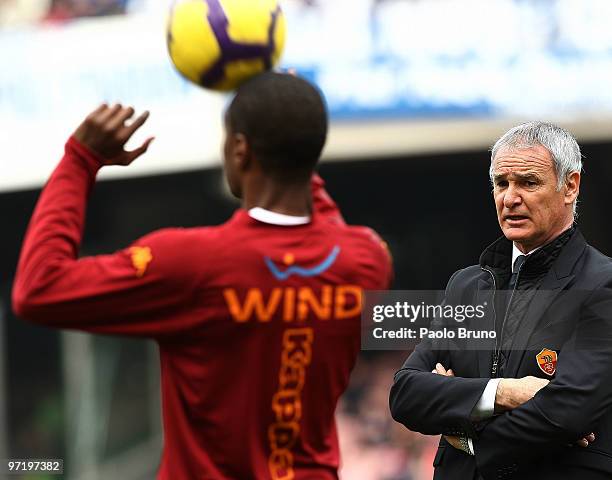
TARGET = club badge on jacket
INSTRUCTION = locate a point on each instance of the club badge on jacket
(547, 361)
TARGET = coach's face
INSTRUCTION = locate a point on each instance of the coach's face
(530, 210)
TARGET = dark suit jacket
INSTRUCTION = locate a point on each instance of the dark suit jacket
(573, 317)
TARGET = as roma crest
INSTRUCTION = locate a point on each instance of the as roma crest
(547, 361)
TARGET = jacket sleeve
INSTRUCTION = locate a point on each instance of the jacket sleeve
(567, 409)
(141, 290)
(433, 404)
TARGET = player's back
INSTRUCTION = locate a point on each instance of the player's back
(257, 322)
(251, 390)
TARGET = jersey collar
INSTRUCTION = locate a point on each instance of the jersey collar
(274, 218)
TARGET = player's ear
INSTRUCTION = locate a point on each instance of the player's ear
(241, 151)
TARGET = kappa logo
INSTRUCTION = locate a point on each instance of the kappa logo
(141, 257)
(292, 269)
(547, 361)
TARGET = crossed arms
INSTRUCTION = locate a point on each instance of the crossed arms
(539, 415)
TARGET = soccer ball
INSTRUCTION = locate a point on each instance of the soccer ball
(218, 44)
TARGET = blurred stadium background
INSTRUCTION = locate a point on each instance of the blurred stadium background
(417, 90)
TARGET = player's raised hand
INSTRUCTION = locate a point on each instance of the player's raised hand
(106, 130)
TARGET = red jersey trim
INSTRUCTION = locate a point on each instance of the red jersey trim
(91, 159)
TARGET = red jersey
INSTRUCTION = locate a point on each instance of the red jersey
(257, 324)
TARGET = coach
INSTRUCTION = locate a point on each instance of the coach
(536, 402)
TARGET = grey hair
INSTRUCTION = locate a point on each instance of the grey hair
(560, 143)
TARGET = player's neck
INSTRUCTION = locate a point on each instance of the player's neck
(287, 199)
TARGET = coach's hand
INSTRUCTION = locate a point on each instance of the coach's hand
(106, 130)
(513, 392)
(440, 370)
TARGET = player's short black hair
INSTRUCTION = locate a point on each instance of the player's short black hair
(284, 119)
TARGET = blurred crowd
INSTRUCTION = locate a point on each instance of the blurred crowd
(17, 12)
(24, 12)
(67, 9)
(373, 446)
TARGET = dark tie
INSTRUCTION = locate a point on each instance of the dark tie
(516, 267)
(511, 321)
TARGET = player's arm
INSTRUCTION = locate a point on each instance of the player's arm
(434, 404)
(322, 203)
(129, 292)
(567, 409)
(380, 272)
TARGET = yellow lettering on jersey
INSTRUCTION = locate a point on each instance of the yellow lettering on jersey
(253, 304)
(280, 464)
(295, 304)
(308, 301)
(287, 401)
(348, 301)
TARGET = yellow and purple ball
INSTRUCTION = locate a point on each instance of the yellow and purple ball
(219, 44)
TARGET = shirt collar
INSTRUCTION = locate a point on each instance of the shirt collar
(498, 257)
(517, 253)
(274, 218)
